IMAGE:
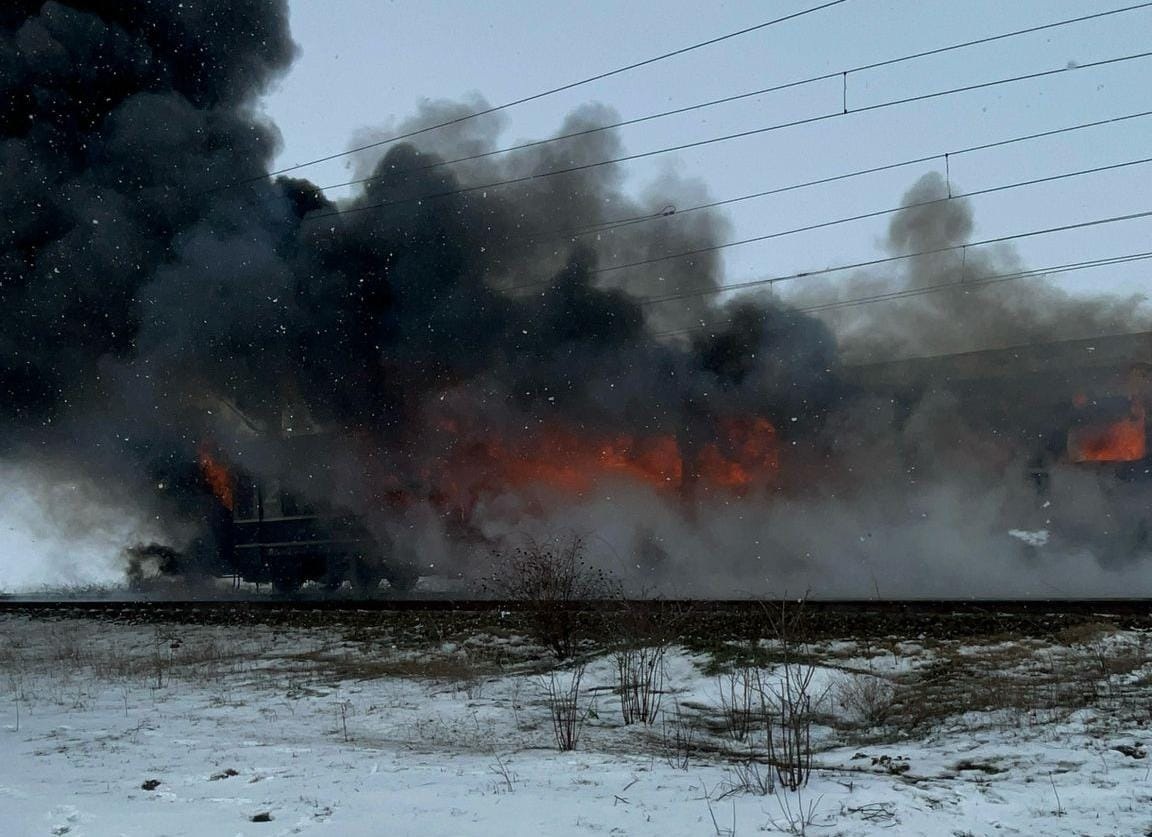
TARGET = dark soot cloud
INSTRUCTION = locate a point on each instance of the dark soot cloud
(158, 295)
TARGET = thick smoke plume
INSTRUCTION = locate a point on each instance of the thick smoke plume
(458, 365)
(974, 299)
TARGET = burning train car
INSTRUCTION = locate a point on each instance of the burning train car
(482, 362)
(274, 529)
(1072, 410)
(264, 533)
(1078, 407)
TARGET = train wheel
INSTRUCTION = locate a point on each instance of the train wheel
(365, 575)
(286, 584)
(333, 578)
(402, 577)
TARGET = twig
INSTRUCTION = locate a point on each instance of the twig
(1059, 806)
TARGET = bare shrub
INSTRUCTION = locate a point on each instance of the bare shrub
(740, 698)
(791, 706)
(748, 775)
(473, 687)
(160, 659)
(719, 830)
(640, 680)
(557, 584)
(797, 819)
(507, 783)
(867, 698)
(678, 739)
(771, 710)
(643, 632)
(791, 699)
(343, 707)
(16, 683)
(562, 694)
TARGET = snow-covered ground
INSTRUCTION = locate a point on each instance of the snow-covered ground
(115, 729)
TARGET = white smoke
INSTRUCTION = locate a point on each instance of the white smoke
(58, 533)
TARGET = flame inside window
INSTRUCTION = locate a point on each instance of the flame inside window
(743, 454)
(1122, 440)
(217, 476)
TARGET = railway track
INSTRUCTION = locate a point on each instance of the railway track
(1111, 606)
(736, 617)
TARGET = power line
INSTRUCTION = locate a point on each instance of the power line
(964, 284)
(552, 91)
(1061, 341)
(849, 219)
(873, 262)
(673, 211)
(937, 288)
(986, 280)
(738, 97)
(725, 138)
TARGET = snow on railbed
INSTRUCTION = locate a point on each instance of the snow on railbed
(110, 729)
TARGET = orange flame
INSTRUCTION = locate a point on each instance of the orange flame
(216, 474)
(1125, 440)
(749, 454)
(562, 459)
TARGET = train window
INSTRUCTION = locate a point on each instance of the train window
(271, 500)
(245, 502)
(292, 505)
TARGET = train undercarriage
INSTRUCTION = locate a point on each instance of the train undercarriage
(268, 536)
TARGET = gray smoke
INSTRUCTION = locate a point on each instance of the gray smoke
(964, 314)
(944, 483)
(162, 295)
(153, 304)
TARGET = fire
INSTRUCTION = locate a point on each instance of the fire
(217, 476)
(1125, 440)
(560, 458)
(749, 454)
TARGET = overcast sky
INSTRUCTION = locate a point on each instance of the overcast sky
(365, 63)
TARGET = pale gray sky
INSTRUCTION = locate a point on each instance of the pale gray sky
(369, 63)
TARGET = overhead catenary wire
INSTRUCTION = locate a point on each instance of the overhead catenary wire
(672, 211)
(554, 90)
(347, 211)
(849, 219)
(603, 226)
(841, 74)
(1132, 216)
(966, 283)
(963, 284)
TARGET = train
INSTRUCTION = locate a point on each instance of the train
(260, 531)
(269, 535)
(1078, 403)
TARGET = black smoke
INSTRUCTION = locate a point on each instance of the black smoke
(159, 291)
(162, 293)
(114, 119)
(966, 307)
